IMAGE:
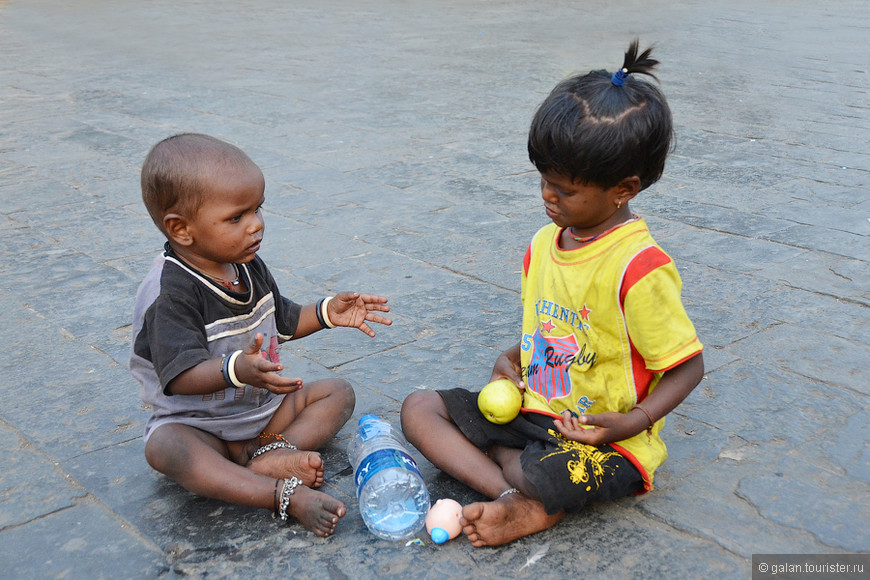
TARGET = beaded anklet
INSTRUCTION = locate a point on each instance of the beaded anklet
(277, 436)
(508, 492)
(289, 489)
(272, 446)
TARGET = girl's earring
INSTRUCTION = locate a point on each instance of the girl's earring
(619, 205)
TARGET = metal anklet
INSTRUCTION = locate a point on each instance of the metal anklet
(508, 492)
(289, 489)
(271, 446)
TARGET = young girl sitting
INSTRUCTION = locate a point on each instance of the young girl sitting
(607, 349)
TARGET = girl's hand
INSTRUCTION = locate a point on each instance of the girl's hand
(355, 310)
(507, 366)
(600, 429)
(254, 369)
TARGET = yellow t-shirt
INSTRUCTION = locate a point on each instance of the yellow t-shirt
(601, 324)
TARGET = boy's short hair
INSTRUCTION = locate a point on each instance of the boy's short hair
(590, 129)
(175, 172)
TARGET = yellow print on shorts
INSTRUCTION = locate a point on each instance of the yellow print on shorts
(589, 458)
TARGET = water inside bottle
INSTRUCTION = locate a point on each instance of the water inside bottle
(395, 507)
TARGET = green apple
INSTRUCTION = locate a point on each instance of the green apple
(500, 401)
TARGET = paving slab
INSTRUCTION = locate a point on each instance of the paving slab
(392, 136)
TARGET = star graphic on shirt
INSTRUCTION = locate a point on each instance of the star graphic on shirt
(584, 314)
(548, 326)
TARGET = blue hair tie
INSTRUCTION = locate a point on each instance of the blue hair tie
(618, 78)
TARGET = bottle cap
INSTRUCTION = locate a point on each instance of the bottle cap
(366, 418)
(439, 535)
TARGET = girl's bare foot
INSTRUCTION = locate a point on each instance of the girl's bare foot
(316, 510)
(285, 463)
(504, 520)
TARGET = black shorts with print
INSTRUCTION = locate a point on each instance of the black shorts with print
(566, 474)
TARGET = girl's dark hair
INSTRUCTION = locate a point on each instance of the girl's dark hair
(590, 128)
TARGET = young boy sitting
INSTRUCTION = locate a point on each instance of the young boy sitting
(207, 323)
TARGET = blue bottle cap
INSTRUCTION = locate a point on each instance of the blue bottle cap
(368, 417)
(439, 535)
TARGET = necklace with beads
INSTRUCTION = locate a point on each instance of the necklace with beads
(596, 236)
(228, 284)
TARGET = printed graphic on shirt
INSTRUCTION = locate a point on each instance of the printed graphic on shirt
(556, 311)
(270, 355)
(549, 365)
(588, 464)
(548, 372)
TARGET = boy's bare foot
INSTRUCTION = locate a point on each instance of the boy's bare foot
(316, 510)
(284, 463)
(504, 520)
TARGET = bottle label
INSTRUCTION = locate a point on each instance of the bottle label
(380, 460)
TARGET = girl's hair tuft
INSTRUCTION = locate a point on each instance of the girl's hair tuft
(642, 64)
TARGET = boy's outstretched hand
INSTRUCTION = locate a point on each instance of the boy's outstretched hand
(354, 310)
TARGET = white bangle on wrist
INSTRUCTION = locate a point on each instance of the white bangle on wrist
(324, 312)
(231, 369)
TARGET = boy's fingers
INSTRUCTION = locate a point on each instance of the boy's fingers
(276, 380)
(374, 299)
(291, 388)
(267, 367)
(256, 344)
(367, 329)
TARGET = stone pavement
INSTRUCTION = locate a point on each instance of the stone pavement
(392, 137)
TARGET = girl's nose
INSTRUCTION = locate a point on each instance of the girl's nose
(548, 192)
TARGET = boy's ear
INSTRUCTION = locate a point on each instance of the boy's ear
(178, 229)
(627, 189)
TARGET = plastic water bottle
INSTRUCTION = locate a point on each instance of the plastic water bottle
(393, 499)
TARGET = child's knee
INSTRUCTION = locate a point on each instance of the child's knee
(345, 391)
(342, 395)
(419, 404)
(165, 452)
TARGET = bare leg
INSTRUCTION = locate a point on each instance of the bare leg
(428, 427)
(308, 418)
(200, 463)
(311, 416)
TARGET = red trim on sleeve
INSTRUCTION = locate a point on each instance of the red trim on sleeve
(642, 376)
(642, 264)
(527, 259)
(691, 356)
